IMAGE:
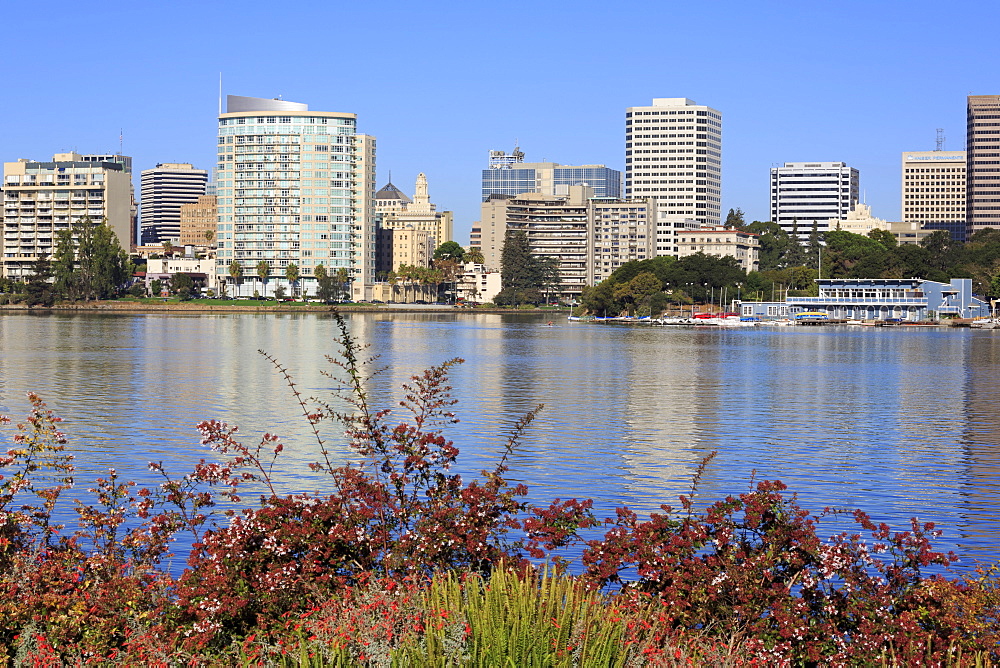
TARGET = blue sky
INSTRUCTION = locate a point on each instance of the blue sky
(441, 83)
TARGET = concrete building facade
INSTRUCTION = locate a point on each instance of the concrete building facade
(807, 193)
(934, 191)
(42, 199)
(673, 154)
(294, 186)
(162, 191)
(982, 169)
(556, 227)
(620, 231)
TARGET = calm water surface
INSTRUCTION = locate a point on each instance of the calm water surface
(900, 422)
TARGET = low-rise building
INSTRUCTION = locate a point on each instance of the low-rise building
(201, 270)
(477, 283)
(721, 242)
(906, 299)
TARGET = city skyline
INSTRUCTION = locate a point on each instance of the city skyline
(787, 83)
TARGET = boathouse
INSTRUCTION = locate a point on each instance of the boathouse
(908, 299)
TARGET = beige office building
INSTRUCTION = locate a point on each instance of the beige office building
(42, 199)
(411, 247)
(294, 186)
(420, 214)
(722, 242)
(198, 221)
(933, 190)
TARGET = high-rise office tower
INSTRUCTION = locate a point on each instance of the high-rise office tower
(42, 199)
(295, 187)
(808, 193)
(933, 191)
(508, 174)
(162, 191)
(673, 153)
(982, 190)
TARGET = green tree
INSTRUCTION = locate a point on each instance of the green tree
(209, 236)
(263, 272)
(236, 272)
(182, 285)
(292, 275)
(326, 288)
(342, 279)
(734, 219)
(474, 255)
(156, 287)
(168, 248)
(64, 266)
(523, 273)
(775, 247)
(449, 250)
(279, 292)
(102, 267)
(639, 290)
(37, 290)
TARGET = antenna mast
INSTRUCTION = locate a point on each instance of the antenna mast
(939, 142)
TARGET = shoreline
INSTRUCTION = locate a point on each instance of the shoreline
(131, 307)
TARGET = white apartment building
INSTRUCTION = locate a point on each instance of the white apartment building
(673, 154)
(477, 283)
(933, 190)
(722, 242)
(42, 199)
(162, 191)
(803, 193)
(294, 186)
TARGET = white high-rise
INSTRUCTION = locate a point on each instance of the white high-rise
(673, 154)
(808, 193)
(294, 186)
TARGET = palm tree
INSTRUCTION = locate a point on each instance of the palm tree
(341, 276)
(236, 272)
(292, 274)
(474, 255)
(168, 248)
(263, 271)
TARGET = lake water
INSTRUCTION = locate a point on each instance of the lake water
(899, 422)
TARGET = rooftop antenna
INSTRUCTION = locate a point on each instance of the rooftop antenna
(121, 141)
(220, 93)
(939, 142)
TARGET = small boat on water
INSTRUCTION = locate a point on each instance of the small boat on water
(985, 323)
(811, 317)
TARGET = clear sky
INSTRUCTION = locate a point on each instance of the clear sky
(440, 83)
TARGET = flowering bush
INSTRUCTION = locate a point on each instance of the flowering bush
(406, 562)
